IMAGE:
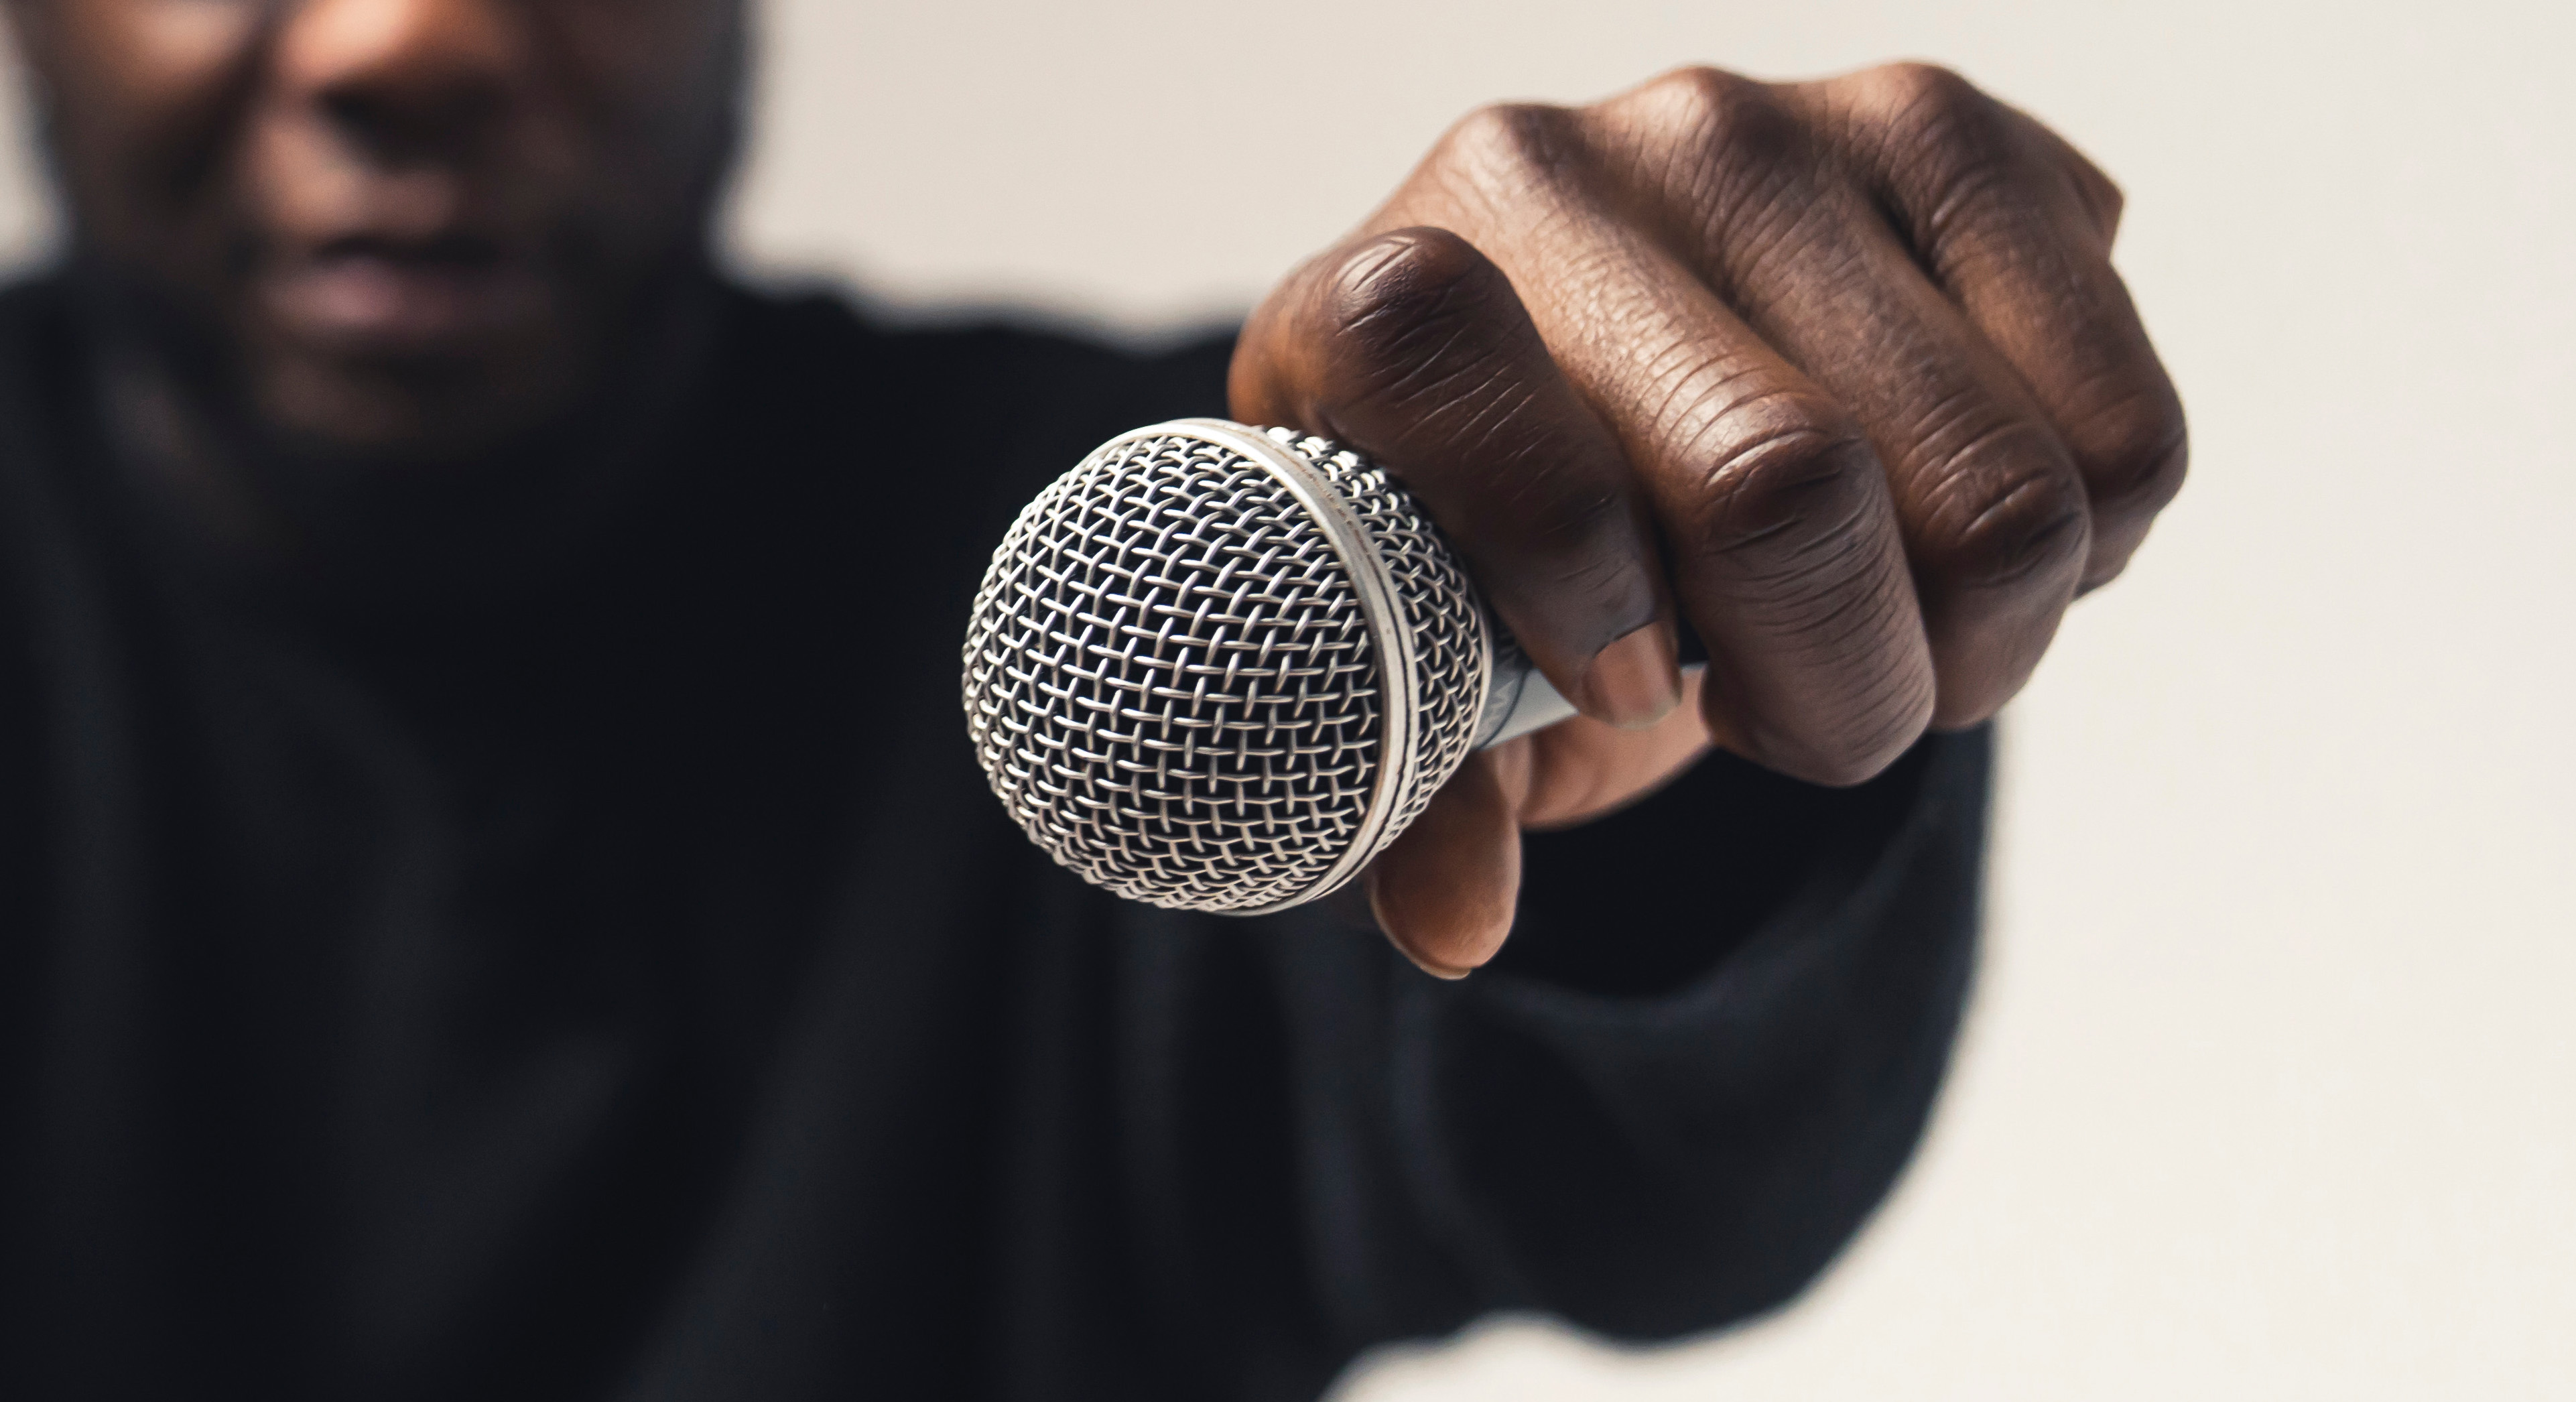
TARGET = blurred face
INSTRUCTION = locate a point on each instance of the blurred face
(390, 227)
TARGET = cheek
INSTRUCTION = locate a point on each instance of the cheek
(147, 104)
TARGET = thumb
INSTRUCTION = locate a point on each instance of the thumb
(1445, 891)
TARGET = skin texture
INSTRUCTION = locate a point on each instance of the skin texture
(1839, 372)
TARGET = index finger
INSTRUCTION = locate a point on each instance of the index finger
(1413, 348)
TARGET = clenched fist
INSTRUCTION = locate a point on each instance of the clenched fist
(1837, 372)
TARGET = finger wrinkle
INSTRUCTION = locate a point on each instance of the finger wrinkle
(1435, 373)
(1699, 395)
(2123, 423)
(1739, 435)
(1730, 187)
(1947, 412)
(1492, 402)
(1389, 327)
(1852, 623)
(1806, 568)
(1770, 488)
(1987, 450)
(1938, 233)
(1939, 492)
(2148, 481)
(1740, 254)
(1522, 463)
(1487, 418)
(2031, 547)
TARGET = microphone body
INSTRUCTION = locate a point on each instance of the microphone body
(1216, 667)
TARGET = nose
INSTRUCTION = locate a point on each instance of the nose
(406, 79)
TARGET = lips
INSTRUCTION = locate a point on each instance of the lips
(373, 297)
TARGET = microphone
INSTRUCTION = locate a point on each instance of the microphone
(1220, 668)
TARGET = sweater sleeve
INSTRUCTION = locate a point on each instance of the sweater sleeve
(1708, 1053)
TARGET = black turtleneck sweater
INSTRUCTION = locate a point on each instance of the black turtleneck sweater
(622, 984)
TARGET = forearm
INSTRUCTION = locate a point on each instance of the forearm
(1661, 1114)
(1665, 1111)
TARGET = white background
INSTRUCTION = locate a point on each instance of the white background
(2270, 1088)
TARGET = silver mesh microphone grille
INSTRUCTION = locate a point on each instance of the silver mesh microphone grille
(1220, 668)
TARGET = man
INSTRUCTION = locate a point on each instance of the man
(494, 899)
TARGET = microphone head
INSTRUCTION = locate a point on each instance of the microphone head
(1220, 668)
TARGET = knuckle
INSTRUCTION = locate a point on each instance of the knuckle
(1933, 104)
(1402, 299)
(1439, 374)
(1962, 151)
(1726, 117)
(2134, 452)
(2002, 516)
(1803, 475)
(1402, 278)
(1437, 351)
(1791, 527)
(1516, 144)
(1438, 366)
(2100, 195)
(1706, 95)
(1725, 161)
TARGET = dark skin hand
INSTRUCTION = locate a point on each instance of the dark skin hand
(1839, 372)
